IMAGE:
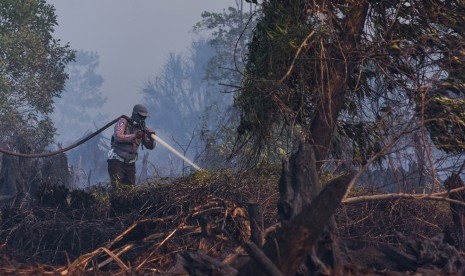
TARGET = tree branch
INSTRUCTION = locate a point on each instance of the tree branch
(435, 196)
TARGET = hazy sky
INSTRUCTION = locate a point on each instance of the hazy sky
(132, 37)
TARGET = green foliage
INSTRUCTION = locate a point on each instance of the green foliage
(268, 106)
(202, 178)
(364, 139)
(301, 49)
(446, 123)
(32, 71)
(229, 33)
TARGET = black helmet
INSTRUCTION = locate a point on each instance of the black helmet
(141, 110)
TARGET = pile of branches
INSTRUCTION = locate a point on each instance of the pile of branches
(200, 225)
(408, 236)
(216, 227)
(377, 221)
(134, 229)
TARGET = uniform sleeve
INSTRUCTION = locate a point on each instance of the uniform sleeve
(120, 130)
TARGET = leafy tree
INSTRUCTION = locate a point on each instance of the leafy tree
(351, 77)
(228, 33)
(32, 73)
(357, 80)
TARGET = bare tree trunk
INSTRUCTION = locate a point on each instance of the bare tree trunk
(304, 210)
(458, 211)
(16, 174)
(21, 177)
(299, 183)
(256, 223)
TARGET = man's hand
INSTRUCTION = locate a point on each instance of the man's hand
(149, 133)
(139, 134)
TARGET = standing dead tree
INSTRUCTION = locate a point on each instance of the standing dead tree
(23, 178)
(306, 210)
(458, 211)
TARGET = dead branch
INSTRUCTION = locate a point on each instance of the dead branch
(303, 45)
(262, 259)
(441, 196)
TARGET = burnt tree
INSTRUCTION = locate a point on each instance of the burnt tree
(458, 211)
(16, 176)
(21, 178)
(306, 210)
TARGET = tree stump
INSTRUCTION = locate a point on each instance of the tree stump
(299, 183)
(305, 213)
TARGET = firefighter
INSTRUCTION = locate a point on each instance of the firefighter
(125, 142)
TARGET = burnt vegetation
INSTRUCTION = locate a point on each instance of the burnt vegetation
(345, 158)
(200, 225)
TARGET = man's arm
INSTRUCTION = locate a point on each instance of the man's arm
(120, 129)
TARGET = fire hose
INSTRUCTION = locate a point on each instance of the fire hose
(90, 136)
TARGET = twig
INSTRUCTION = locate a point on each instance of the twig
(304, 44)
(426, 145)
(167, 238)
(116, 258)
(157, 247)
(81, 261)
(224, 219)
(375, 157)
(107, 261)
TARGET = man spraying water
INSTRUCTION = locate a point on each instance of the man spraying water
(128, 135)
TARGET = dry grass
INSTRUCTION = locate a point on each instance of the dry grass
(141, 230)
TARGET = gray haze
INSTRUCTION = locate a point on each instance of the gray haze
(132, 38)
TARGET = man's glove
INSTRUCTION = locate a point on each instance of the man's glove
(149, 133)
(139, 134)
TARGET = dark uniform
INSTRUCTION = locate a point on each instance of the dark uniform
(125, 143)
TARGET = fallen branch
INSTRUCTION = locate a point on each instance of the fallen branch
(117, 259)
(157, 247)
(107, 261)
(441, 196)
(257, 254)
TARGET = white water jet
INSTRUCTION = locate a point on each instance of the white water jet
(163, 143)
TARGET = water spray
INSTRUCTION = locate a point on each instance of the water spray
(163, 143)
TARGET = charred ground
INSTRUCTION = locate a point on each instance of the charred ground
(198, 224)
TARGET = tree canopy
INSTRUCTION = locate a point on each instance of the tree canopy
(350, 76)
(32, 72)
